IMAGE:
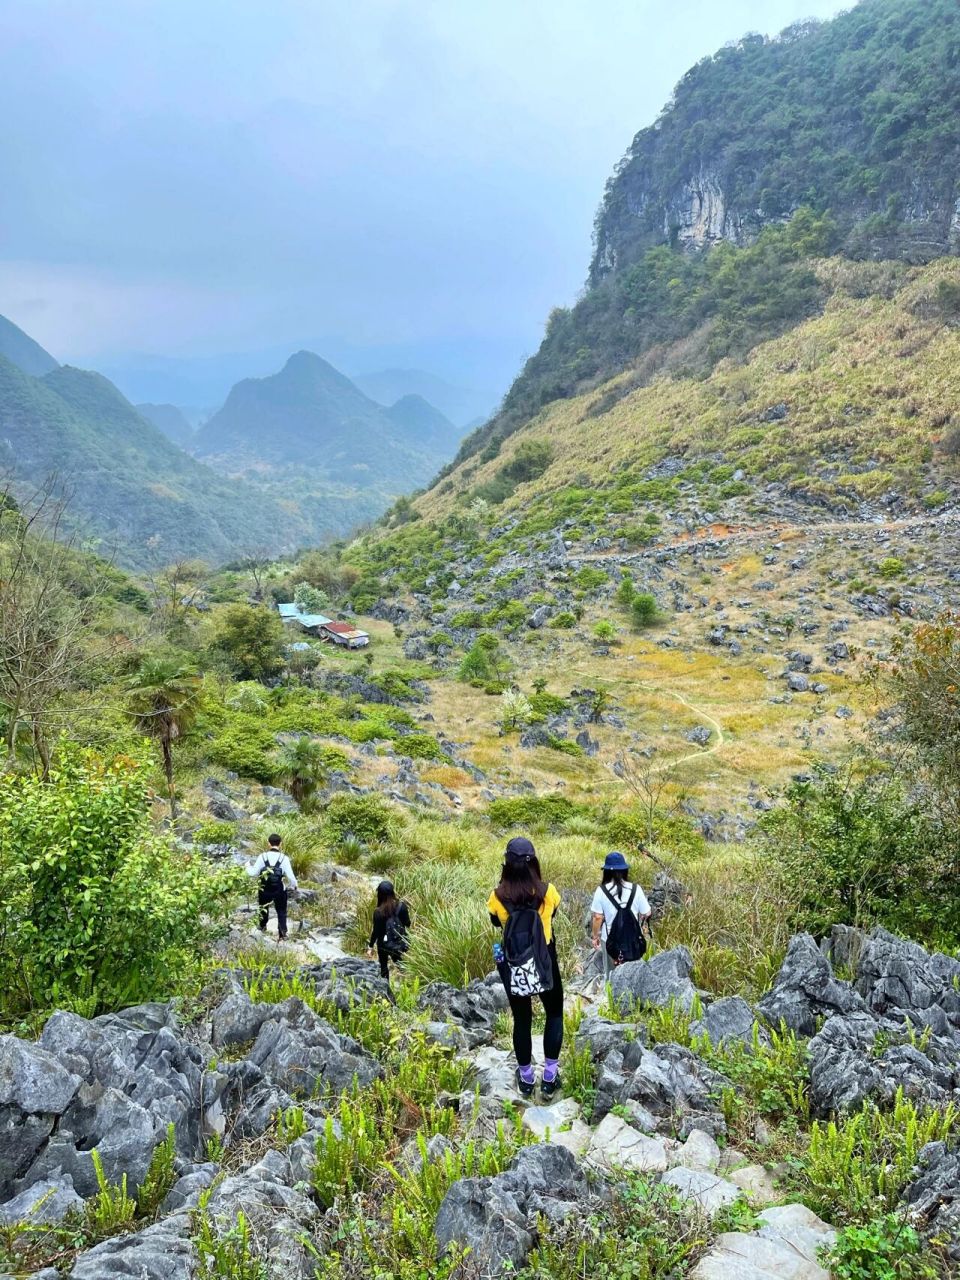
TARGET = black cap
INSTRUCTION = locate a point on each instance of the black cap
(385, 886)
(520, 849)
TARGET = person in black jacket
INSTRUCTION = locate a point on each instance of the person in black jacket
(391, 924)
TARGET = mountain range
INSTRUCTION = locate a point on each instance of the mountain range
(295, 458)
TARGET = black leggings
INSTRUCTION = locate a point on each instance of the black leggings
(522, 1010)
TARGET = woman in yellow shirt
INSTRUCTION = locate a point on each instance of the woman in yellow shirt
(522, 886)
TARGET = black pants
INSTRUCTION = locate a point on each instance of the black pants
(279, 901)
(384, 959)
(522, 1009)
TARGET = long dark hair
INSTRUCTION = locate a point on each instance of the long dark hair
(615, 879)
(521, 884)
(387, 900)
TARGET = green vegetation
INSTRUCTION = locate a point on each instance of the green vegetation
(886, 1249)
(123, 918)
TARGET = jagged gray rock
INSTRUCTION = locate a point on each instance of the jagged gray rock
(44, 1202)
(729, 1018)
(35, 1090)
(661, 981)
(474, 1009)
(805, 989)
(497, 1218)
(935, 1195)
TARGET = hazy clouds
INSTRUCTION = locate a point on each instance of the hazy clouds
(385, 180)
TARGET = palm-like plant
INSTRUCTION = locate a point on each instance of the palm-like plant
(303, 768)
(163, 699)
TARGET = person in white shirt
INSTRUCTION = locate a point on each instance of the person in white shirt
(275, 873)
(617, 893)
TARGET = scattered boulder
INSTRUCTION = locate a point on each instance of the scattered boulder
(614, 1145)
(706, 1190)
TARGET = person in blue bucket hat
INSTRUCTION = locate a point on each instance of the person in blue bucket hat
(620, 910)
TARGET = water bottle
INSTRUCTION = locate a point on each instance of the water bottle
(498, 953)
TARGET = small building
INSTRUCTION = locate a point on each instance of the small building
(291, 614)
(343, 633)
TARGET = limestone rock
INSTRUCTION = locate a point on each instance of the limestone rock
(615, 1145)
(705, 1190)
(806, 989)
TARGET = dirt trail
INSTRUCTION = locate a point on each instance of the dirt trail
(733, 533)
(717, 745)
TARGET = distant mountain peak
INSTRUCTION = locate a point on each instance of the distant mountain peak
(20, 349)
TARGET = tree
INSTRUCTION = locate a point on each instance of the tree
(257, 563)
(251, 639)
(163, 699)
(644, 609)
(515, 710)
(925, 681)
(310, 599)
(43, 618)
(604, 632)
(302, 765)
(626, 590)
(176, 590)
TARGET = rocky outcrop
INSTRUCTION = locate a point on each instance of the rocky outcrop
(498, 1219)
(663, 980)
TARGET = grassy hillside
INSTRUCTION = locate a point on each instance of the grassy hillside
(853, 405)
(170, 420)
(837, 137)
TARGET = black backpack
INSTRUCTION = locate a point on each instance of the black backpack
(525, 953)
(271, 877)
(395, 942)
(625, 940)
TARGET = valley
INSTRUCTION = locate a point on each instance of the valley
(688, 599)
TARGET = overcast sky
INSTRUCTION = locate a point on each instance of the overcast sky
(385, 181)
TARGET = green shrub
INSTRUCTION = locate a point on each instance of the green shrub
(885, 1249)
(420, 746)
(845, 850)
(643, 609)
(892, 567)
(368, 818)
(626, 591)
(210, 831)
(588, 578)
(564, 621)
(246, 746)
(100, 911)
(536, 812)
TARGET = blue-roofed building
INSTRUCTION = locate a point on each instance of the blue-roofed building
(312, 622)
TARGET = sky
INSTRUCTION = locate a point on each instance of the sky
(193, 189)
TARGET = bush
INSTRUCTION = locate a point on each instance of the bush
(366, 817)
(844, 850)
(604, 632)
(247, 747)
(886, 1249)
(99, 912)
(643, 608)
(892, 567)
(420, 746)
(531, 811)
(564, 621)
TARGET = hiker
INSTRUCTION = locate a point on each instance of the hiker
(274, 869)
(391, 924)
(523, 906)
(620, 910)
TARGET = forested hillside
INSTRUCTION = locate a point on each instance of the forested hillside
(133, 491)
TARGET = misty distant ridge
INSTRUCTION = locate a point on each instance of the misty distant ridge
(292, 458)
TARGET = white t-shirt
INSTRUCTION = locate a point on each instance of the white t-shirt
(270, 858)
(602, 905)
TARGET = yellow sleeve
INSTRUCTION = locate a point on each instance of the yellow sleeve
(552, 899)
(496, 908)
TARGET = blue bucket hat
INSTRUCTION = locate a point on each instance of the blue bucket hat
(615, 862)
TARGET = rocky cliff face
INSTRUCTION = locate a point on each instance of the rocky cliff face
(856, 117)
